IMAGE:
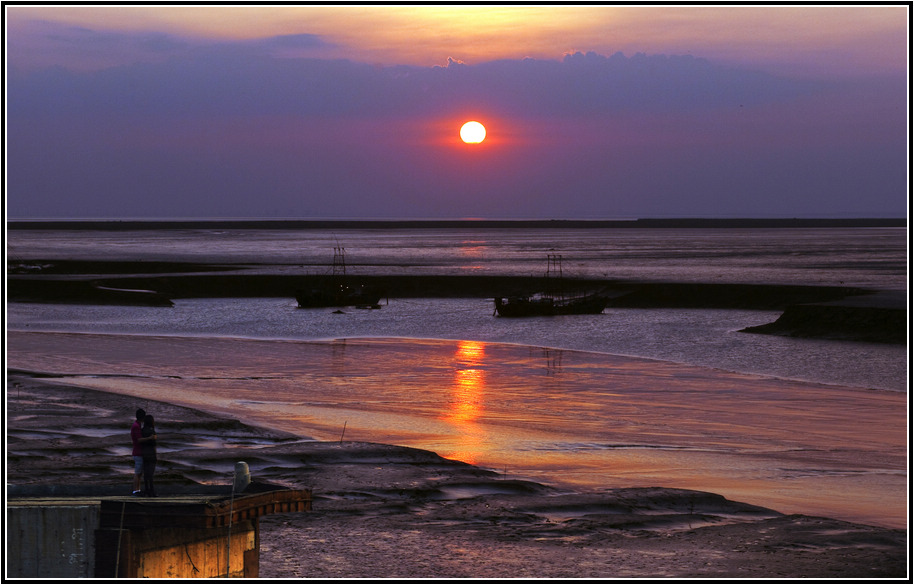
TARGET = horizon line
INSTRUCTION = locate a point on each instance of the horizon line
(262, 223)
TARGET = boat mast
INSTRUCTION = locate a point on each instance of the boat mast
(554, 274)
(339, 260)
(554, 266)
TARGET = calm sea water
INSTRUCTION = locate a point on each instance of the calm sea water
(869, 257)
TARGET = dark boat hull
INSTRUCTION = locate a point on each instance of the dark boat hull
(337, 297)
(546, 307)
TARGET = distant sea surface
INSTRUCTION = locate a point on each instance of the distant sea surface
(869, 257)
(865, 257)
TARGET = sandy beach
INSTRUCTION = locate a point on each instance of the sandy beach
(396, 512)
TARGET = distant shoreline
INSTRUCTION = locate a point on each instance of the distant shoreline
(266, 224)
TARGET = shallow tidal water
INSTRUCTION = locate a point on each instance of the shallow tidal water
(704, 337)
(561, 417)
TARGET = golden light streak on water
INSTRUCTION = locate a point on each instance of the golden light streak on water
(467, 403)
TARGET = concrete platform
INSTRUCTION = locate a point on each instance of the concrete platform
(78, 535)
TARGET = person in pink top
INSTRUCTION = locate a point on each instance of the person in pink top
(136, 432)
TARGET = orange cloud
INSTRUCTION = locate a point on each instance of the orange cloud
(808, 38)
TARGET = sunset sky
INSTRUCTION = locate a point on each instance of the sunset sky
(591, 112)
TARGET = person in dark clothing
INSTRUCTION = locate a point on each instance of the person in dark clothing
(135, 435)
(148, 444)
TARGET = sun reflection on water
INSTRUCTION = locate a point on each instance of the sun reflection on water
(472, 251)
(468, 386)
(467, 401)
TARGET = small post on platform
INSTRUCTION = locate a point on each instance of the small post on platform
(242, 477)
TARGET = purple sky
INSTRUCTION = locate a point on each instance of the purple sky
(163, 113)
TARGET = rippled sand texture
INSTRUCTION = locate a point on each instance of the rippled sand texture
(548, 415)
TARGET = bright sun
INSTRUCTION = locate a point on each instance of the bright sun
(473, 133)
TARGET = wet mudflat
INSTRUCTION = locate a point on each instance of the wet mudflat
(387, 511)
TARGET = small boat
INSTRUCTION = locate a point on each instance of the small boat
(337, 291)
(339, 295)
(129, 296)
(554, 303)
(544, 306)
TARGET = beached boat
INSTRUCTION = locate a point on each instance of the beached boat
(540, 305)
(336, 290)
(555, 302)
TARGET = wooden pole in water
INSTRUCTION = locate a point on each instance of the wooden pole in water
(344, 431)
